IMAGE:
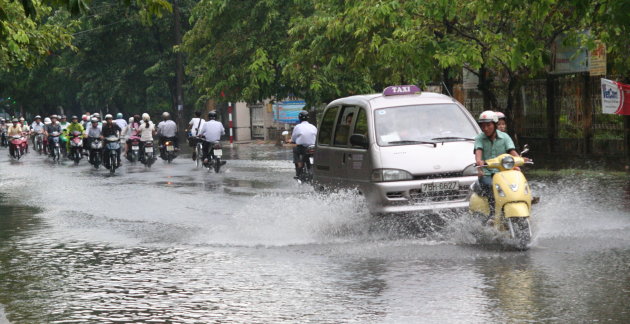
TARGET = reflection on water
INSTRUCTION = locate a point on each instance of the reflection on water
(248, 245)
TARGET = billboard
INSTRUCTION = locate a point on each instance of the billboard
(287, 111)
(615, 97)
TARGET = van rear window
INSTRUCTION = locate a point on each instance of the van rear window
(325, 130)
(419, 124)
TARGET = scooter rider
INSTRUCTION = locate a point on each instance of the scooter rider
(211, 131)
(146, 130)
(110, 128)
(489, 144)
(304, 135)
(167, 130)
(194, 127)
(501, 123)
(93, 131)
(37, 127)
(51, 128)
(74, 126)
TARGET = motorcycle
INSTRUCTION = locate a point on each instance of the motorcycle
(112, 145)
(17, 146)
(513, 199)
(39, 143)
(76, 147)
(55, 146)
(133, 152)
(167, 151)
(4, 142)
(214, 157)
(305, 175)
(147, 156)
(95, 154)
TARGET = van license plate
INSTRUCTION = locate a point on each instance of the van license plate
(440, 186)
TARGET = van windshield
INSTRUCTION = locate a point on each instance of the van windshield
(422, 124)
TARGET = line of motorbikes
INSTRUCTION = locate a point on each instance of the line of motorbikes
(106, 151)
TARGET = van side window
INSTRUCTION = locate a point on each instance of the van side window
(325, 130)
(344, 123)
(360, 126)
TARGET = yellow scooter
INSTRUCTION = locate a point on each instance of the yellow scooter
(513, 199)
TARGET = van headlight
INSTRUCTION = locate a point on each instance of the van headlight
(470, 170)
(390, 175)
(507, 163)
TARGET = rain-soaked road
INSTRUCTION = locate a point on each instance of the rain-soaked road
(180, 245)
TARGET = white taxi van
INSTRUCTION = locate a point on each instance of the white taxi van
(403, 149)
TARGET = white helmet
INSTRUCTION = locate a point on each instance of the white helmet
(130, 119)
(109, 116)
(487, 116)
(500, 115)
(146, 116)
(47, 121)
(166, 115)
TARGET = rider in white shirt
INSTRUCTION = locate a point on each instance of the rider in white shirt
(211, 132)
(167, 129)
(194, 127)
(304, 135)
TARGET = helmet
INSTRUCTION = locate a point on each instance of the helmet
(21, 118)
(85, 117)
(166, 115)
(212, 115)
(146, 117)
(487, 116)
(38, 117)
(109, 116)
(54, 116)
(94, 120)
(47, 120)
(303, 115)
(97, 115)
(14, 120)
(130, 119)
(500, 115)
(62, 117)
(74, 117)
(119, 115)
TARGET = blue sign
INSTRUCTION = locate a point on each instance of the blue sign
(287, 111)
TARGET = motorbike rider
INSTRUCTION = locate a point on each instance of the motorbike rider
(501, 124)
(120, 121)
(489, 144)
(93, 131)
(194, 126)
(37, 127)
(304, 135)
(74, 126)
(14, 129)
(3, 130)
(108, 129)
(25, 129)
(167, 130)
(51, 128)
(210, 132)
(146, 130)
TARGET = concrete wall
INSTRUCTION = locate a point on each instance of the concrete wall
(242, 122)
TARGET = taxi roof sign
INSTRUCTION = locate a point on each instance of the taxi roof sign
(398, 90)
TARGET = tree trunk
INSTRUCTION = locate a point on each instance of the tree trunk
(485, 86)
(179, 69)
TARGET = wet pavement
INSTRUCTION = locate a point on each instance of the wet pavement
(176, 244)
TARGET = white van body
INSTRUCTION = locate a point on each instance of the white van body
(409, 152)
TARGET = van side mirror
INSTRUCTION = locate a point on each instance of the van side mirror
(359, 140)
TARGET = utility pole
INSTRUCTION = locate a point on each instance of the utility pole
(179, 68)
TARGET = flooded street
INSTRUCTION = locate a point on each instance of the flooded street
(176, 244)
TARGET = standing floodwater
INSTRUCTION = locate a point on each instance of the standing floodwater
(182, 245)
